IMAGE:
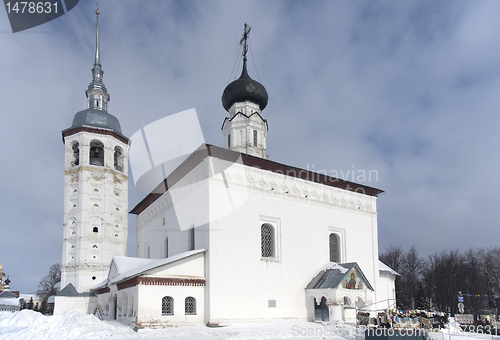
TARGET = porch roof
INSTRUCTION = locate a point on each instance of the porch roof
(332, 274)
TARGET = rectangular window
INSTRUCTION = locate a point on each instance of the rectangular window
(254, 137)
(229, 141)
(191, 239)
(271, 303)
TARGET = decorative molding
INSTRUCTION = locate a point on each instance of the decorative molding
(159, 281)
(269, 183)
(103, 290)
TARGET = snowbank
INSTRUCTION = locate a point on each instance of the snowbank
(27, 325)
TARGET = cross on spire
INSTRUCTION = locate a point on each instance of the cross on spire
(244, 41)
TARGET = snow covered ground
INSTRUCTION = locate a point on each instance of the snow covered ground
(29, 325)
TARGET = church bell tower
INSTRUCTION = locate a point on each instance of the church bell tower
(95, 188)
(244, 99)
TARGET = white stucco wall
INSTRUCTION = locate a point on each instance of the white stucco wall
(240, 282)
(94, 196)
(77, 303)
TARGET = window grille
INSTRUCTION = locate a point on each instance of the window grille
(254, 137)
(190, 306)
(334, 248)
(167, 305)
(267, 240)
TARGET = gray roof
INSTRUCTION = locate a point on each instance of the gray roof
(7, 295)
(70, 290)
(96, 118)
(332, 277)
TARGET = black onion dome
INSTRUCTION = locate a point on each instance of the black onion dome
(244, 88)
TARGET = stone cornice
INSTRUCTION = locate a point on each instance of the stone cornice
(272, 184)
(96, 168)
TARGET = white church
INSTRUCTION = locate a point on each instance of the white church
(228, 236)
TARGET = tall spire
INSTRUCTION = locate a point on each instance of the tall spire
(97, 93)
(97, 59)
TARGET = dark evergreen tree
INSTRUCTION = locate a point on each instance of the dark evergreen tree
(30, 304)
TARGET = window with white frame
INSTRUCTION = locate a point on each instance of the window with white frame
(190, 306)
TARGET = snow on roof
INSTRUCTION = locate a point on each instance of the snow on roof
(382, 267)
(128, 267)
(333, 265)
(10, 302)
(29, 296)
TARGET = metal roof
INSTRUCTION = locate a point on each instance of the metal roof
(70, 290)
(7, 295)
(244, 88)
(332, 277)
(96, 118)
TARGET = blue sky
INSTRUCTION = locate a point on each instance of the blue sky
(408, 89)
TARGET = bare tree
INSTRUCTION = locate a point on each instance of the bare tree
(491, 263)
(47, 285)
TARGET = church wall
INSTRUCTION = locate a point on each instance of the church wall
(386, 291)
(242, 285)
(174, 217)
(64, 303)
(150, 304)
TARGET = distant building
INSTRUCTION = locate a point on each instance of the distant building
(9, 301)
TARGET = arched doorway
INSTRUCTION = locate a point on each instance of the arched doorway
(321, 312)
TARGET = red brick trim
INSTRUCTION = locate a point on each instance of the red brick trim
(160, 281)
(102, 290)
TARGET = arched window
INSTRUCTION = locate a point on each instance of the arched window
(149, 252)
(118, 159)
(190, 306)
(95, 230)
(76, 154)
(334, 248)
(167, 305)
(191, 239)
(166, 247)
(96, 153)
(267, 240)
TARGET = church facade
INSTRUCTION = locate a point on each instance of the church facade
(229, 236)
